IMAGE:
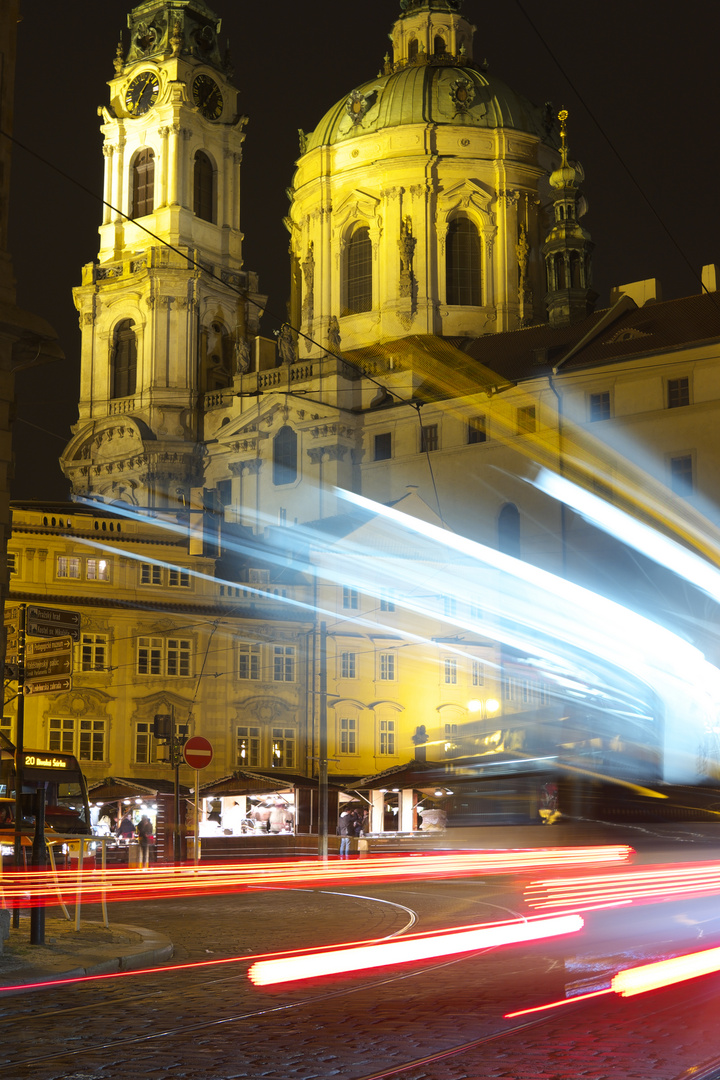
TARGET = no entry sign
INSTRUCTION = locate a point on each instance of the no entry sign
(198, 752)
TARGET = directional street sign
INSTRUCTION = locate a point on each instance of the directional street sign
(53, 647)
(48, 661)
(48, 686)
(52, 622)
(198, 752)
(12, 634)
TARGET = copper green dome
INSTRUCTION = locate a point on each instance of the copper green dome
(430, 93)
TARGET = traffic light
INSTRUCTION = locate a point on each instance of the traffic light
(162, 726)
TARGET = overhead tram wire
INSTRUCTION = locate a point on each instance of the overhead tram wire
(631, 176)
(243, 293)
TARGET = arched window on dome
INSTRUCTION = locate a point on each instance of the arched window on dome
(439, 45)
(123, 363)
(285, 456)
(413, 49)
(143, 184)
(358, 272)
(463, 264)
(204, 187)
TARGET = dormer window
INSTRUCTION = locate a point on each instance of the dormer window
(413, 49)
(439, 45)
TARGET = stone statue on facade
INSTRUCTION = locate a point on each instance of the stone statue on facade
(406, 243)
(242, 356)
(287, 353)
(334, 334)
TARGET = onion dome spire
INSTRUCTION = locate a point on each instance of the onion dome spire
(567, 249)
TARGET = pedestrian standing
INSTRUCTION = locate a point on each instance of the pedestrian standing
(145, 835)
(345, 830)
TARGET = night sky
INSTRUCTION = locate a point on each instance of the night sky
(646, 73)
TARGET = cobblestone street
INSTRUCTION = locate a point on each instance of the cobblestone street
(210, 1023)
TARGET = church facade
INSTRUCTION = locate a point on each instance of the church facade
(441, 351)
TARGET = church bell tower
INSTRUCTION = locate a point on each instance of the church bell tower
(167, 313)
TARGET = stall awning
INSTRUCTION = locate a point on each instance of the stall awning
(248, 782)
(413, 774)
(122, 787)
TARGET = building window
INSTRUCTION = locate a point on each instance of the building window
(678, 393)
(413, 49)
(347, 665)
(12, 562)
(358, 272)
(179, 578)
(387, 667)
(150, 574)
(526, 419)
(203, 187)
(143, 184)
(285, 456)
(68, 567)
(478, 673)
(178, 656)
(283, 751)
(463, 263)
(350, 598)
(450, 670)
(90, 735)
(509, 530)
(93, 652)
(348, 735)
(681, 475)
(387, 736)
(383, 446)
(123, 375)
(224, 492)
(387, 603)
(6, 726)
(248, 746)
(452, 748)
(143, 744)
(449, 605)
(428, 438)
(476, 430)
(160, 656)
(284, 663)
(600, 406)
(97, 570)
(249, 662)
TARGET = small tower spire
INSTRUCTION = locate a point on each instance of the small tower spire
(567, 249)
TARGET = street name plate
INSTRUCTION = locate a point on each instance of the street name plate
(44, 667)
(48, 686)
(53, 622)
(49, 648)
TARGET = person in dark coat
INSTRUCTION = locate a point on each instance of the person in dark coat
(345, 830)
(144, 832)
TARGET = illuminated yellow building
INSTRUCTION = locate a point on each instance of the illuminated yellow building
(441, 348)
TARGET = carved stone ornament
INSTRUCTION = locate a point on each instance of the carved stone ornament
(356, 106)
(462, 94)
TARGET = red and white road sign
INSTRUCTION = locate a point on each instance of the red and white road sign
(198, 752)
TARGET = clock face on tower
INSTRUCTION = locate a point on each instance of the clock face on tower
(142, 93)
(207, 97)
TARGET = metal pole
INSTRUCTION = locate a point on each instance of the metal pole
(197, 817)
(19, 745)
(37, 912)
(323, 763)
(175, 750)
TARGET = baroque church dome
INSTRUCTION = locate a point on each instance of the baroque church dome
(437, 90)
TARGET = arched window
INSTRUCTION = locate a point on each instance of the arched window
(463, 263)
(509, 530)
(358, 275)
(285, 456)
(413, 49)
(204, 183)
(124, 360)
(439, 45)
(143, 184)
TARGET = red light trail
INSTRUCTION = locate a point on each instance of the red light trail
(409, 949)
(35, 887)
(648, 884)
(642, 979)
